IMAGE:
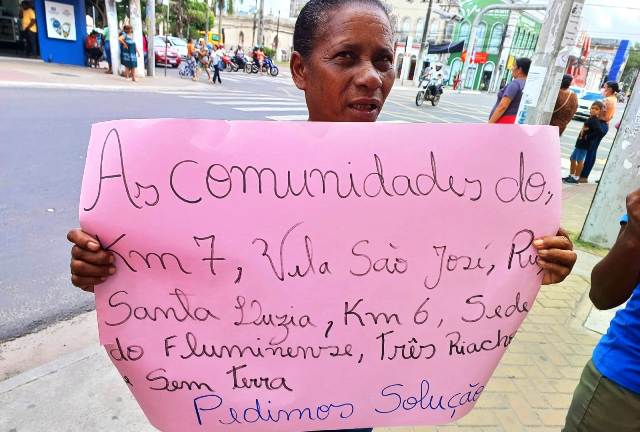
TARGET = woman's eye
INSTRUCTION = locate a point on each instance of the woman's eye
(384, 63)
(346, 55)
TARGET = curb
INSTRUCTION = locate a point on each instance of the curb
(47, 369)
(116, 88)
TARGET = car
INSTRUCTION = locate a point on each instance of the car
(172, 57)
(180, 45)
(585, 99)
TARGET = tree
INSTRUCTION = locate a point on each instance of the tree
(632, 67)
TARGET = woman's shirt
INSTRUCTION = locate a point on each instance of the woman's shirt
(617, 355)
(610, 112)
(513, 91)
(565, 109)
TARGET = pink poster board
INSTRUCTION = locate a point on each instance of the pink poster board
(297, 277)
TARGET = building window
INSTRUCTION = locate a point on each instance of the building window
(405, 28)
(496, 38)
(448, 30)
(241, 38)
(465, 29)
(419, 30)
(480, 33)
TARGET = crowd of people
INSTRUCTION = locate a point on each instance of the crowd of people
(591, 134)
(98, 47)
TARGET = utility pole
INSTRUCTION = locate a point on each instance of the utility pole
(151, 33)
(206, 20)
(220, 4)
(620, 177)
(559, 33)
(424, 43)
(260, 23)
(277, 35)
(114, 44)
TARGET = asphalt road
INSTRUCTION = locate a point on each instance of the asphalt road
(44, 134)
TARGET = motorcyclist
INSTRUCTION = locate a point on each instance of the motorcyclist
(435, 79)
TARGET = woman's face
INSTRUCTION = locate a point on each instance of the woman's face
(350, 72)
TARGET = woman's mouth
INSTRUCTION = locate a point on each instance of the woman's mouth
(364, 107)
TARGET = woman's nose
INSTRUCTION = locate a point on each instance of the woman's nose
(368, 76)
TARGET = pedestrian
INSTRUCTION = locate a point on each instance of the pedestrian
(203, 61)
(456, 81)
(609, 91)
(107, 48)
(607, 398)
(190, 48)
(128, 52)
(566, 105)
(334, 81)
(592, 132)
(92, 47)
(218, 64)
(506, 107)
(145, 48)
(29, 29)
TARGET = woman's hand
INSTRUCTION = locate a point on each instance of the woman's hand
(90, 265)
(556, 257)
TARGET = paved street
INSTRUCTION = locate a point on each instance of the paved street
(46, 131)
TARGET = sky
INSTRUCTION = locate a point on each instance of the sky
(616, 19)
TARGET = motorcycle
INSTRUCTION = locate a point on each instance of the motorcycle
(229, 65)
(267, 66)
(431, 91)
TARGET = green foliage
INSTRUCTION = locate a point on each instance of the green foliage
(269, 52)
(632, 67)
(230, 10)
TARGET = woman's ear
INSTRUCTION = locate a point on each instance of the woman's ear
(298, 71)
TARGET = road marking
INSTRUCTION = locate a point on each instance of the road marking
(261, 108)
(249, 102)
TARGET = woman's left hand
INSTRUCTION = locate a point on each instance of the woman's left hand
(556, 257)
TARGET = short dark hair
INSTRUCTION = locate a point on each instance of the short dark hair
(613, 85)
(524, 64)
(599, 104)
(313, 16)
(566, 81)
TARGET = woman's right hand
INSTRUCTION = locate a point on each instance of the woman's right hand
(90, 265)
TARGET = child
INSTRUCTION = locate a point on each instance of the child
(592, 132)
(607, 397)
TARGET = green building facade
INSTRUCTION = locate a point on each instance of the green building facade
(491, 43)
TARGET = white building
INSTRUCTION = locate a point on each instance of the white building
(408, 19)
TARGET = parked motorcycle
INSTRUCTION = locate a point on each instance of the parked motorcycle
(430, 91)
(230, 65)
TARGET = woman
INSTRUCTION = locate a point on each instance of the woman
(566, 105)
(203, 61)
(218, 63)
(346, 73)
(129, 52)
(609, 91)
(506, 107)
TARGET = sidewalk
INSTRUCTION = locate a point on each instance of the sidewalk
(61, 379)
(16, 72)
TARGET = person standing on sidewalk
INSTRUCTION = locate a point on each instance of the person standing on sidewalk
(592, 132)
(610, 89)
(29, 29)
(506, 107)
(607, 398)
(129, 54)
(566, 105)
